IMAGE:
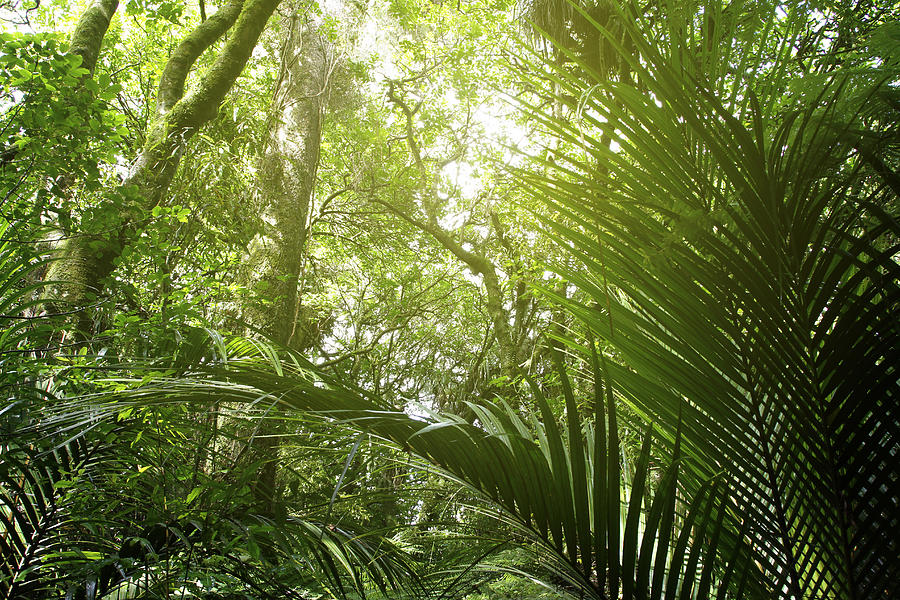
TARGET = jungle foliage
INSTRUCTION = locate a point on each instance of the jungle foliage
(565, 298)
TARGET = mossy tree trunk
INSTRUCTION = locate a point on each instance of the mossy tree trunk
(286, 184)
(286, 180)
(87, 39)
(88, 259)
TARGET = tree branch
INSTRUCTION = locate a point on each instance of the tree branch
(202, 104)
(171, 82)
(88, 36)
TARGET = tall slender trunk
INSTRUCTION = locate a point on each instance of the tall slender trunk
(287, 178)
(286, 183)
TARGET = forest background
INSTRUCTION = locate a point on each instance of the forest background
(484, 299)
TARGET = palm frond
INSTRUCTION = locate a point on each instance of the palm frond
(561, 485)
(45, 547)
(23, 328)
(739, 264)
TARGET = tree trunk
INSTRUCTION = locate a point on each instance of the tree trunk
(286, 183)
(287, 178)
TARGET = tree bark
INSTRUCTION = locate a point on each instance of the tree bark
(286, 183)
(171, 82)
(91, 29)
(287, 178)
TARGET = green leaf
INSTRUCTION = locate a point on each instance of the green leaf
(193, 494)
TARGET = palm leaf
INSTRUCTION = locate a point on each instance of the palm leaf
(40, 539)
(744, 266)
(22, 331)
(541, 477)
